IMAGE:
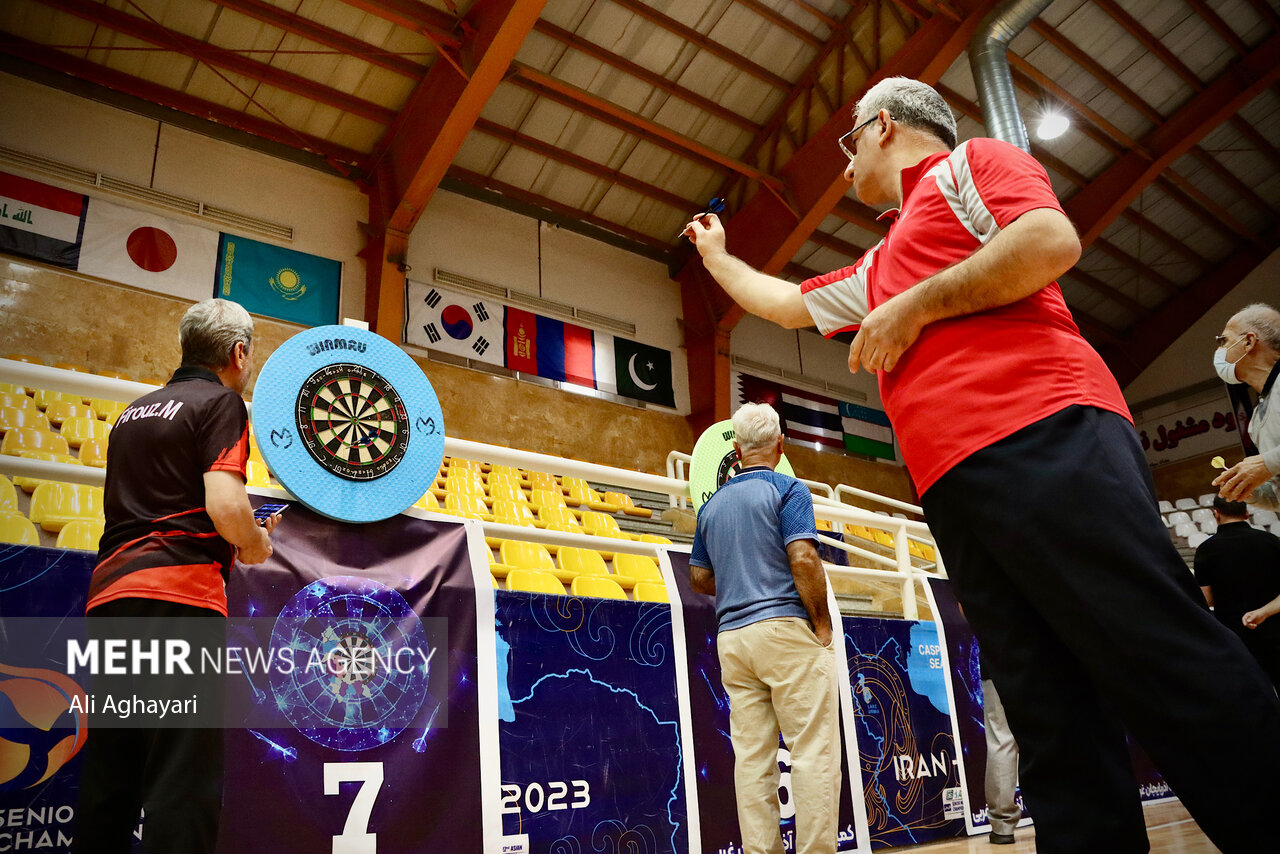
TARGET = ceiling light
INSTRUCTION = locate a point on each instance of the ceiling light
(1052, 126)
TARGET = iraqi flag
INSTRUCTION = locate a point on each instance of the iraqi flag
(549, 348)
(146, 251)
(454, 323)
(41, 222)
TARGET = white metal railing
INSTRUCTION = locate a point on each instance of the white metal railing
(827, 506)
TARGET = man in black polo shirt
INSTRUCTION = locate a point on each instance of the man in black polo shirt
(177, 517)
(1238, 569)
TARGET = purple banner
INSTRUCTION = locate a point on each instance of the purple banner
(358, 750)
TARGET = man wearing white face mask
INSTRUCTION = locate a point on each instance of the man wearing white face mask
(1249, 352)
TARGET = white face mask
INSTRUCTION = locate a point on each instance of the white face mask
(1227, 370)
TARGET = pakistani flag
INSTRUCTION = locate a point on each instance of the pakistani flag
(643, 372)
(278, 282)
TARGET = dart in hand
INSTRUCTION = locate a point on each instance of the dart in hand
(714, 206)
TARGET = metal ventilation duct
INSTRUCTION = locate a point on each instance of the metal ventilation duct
(988, 57)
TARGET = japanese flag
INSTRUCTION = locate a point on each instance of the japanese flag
(147, 251)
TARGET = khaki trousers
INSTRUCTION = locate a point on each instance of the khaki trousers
(780, 679)
(1001, 776)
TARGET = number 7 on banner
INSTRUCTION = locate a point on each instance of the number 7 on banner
(355, 838)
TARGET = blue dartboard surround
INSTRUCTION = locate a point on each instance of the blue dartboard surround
(348, 423)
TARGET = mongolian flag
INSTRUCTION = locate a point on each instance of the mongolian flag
(278, 282)
(41, 222)
(549, 348)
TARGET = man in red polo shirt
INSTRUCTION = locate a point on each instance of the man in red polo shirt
(177, 517)
(1033, 483)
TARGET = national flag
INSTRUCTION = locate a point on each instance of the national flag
(147, 251)
(812, 417)
(867, 431)
(278, 282)
(549, 348)
(643, 372)
(41, 222)
(454, 323)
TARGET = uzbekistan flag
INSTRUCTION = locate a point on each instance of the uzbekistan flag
(549, 348)
(867, 431)
(41, 222)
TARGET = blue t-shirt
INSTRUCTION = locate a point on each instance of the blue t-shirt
(742, 536)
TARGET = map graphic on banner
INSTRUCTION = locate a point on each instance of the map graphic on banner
(138, 248)
(279, 282)
(825, 421)
(41, 222)
(908, 753)
(566, 789)
(466, 326)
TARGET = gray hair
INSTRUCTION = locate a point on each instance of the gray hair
(913, 103)
(1262, 320)
(755, 425)
(209, 332)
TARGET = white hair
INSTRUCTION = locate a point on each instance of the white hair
(210, 330)
(912, 103)
(755, 425)
(1262, 320)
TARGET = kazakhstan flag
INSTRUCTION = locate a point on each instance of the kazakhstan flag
(278, 282)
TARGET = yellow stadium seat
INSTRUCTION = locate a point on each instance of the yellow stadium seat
(507, 490)
(93, 452)
(80, 534)
(108, 410)
(506, 473)
(459, 463)
(628, 506)
(18, 530)
(599, 588)
(598, 523)
(651, 591)
(654, 538)
(464, 481)
(494, 579)
(17, 399)
(17, 418)
(547, 498)
(497, 569)
(581, 493)
(43, 397)
(884, 538)
(534, 581)
(83, 428)
(8, 495)
(565, 527)
(823, 524)
(557, 515)
(525, 555)
(28, 439)
(427, 502)
(71, 366)
(576, 561)
(257, 474)
(639, 567)
(13, 388)
(510, 512)
(472, 506)
(542, 480)
(23, 357)
(28, 484)
(55, 504)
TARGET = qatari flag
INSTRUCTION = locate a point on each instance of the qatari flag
(141, 249)
(41, 222)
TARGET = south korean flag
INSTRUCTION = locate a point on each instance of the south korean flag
(453, 322)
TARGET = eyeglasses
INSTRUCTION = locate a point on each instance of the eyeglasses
(849, 142)
(1221, 340)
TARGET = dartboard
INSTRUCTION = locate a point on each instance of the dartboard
(361, 663)
(352, 421)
